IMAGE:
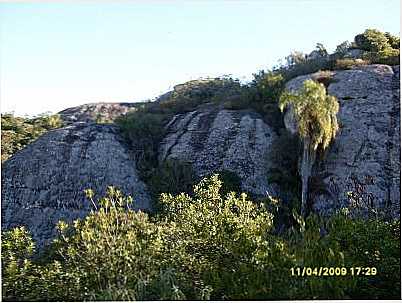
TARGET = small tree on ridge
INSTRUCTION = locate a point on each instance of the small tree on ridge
(315, 114)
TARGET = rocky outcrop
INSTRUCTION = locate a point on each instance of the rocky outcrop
(44, 182)
(364, 159)
(213, 139)
(96, 112)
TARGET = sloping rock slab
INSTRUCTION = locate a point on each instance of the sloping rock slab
(214, 139)
(44, 182)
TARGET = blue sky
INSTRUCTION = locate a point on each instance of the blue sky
(58, 55)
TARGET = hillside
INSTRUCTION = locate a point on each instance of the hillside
(153, 151)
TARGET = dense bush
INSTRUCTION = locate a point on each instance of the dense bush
(187, 96)
(370, 243)
(17, 132)
(372, 40)
(343, 48)
(204, 246)
(387, 56)
(394, 41)
(308, 67)
(225, 244)
(381, 48)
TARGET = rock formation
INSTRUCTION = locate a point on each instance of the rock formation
(364, 158)
(44, 182)
(96, 112)
(214, 139)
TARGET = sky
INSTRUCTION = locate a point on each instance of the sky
(59, 55)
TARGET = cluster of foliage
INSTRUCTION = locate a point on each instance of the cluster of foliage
(263, 94)
(17, 132)
(202, 246)
(187, 96)
(315, 114)
(380, 47)
(373, 40)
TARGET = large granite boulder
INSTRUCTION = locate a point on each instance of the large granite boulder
(363, 162)
(44, 182)
(213, 139)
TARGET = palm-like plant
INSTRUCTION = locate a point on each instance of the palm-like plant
(315, 113)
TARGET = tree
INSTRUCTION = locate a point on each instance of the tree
(315, 113)
(322, 51)
(268, 85)
(394, 41)
(372, 40)
(342, 48)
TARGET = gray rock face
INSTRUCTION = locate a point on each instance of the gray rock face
(213, 139)
(96, 112)
(365, 156)
(44, 182)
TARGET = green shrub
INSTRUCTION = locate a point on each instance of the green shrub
(370, 243)
(17, 132)
(312, 249)
(315, 114)
(188, 96)
(268, 86)
(115, 250)
(204, 246)
(387, 56)
(394, 41)
(144, 129)
(372, 40)
(224, 244)
(263, 94)
(343, 48)
(307, 67)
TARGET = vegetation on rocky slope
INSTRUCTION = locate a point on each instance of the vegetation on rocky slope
(203, 246)
(146, 127)
(207, 242)
(17, 132)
